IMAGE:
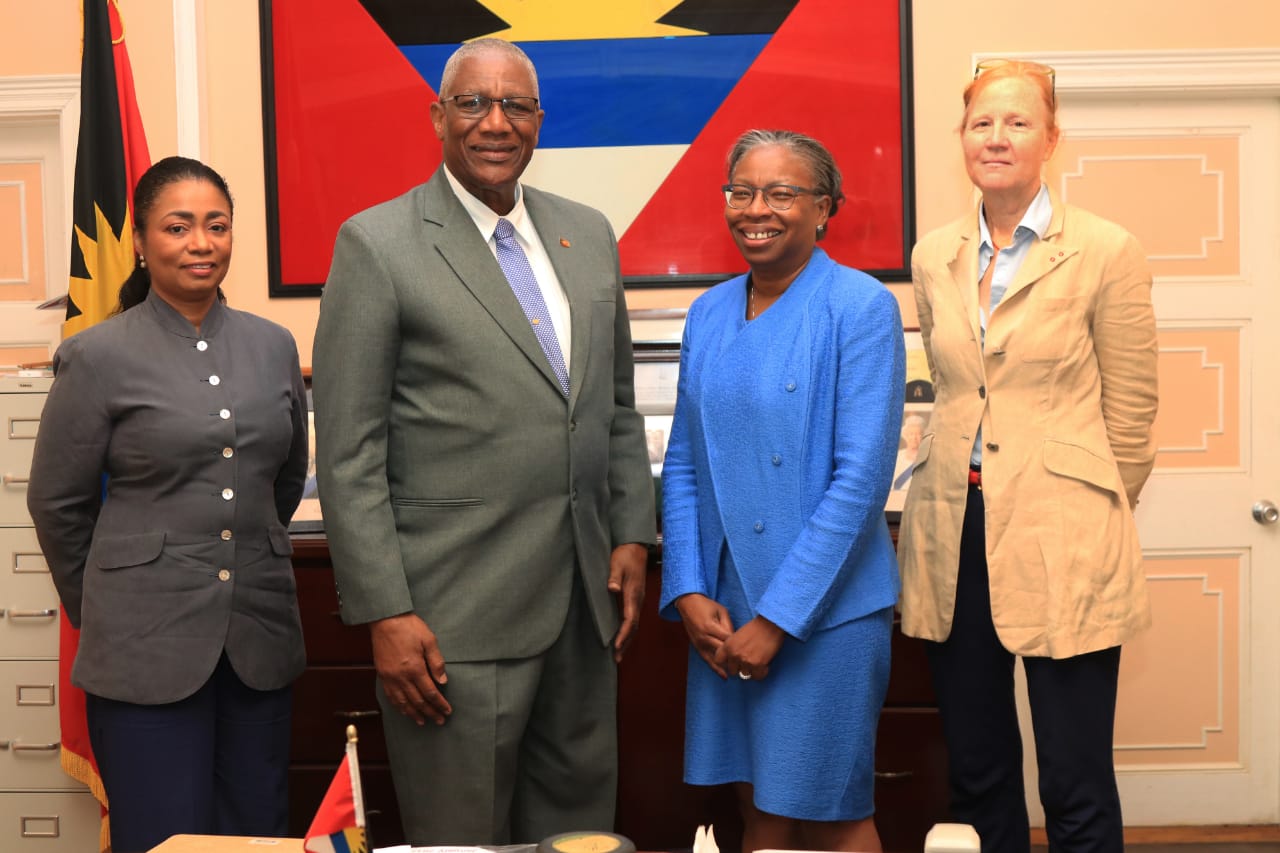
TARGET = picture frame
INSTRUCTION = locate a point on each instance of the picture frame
(307, 518)
(917, 411)
(915, 423)
(657, 373)
(637, 127)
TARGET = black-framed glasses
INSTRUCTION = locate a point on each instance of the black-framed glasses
(1035, 67)
(778, 196)
(519, 108)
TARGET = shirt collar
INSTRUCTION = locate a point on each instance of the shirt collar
(1035, 221)
(484, 217)
(174, 322)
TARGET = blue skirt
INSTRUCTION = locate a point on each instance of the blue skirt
(804, 737)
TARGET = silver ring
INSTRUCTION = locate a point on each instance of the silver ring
(745, 676)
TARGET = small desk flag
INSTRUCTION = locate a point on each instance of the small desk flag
(338, 826)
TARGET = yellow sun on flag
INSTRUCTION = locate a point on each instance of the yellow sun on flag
(556, 20)
(109, 261)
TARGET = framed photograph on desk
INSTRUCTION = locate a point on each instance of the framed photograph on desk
(917, 408)
(307, 518)
(657, 374)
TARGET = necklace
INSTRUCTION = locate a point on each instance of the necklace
(751, 300)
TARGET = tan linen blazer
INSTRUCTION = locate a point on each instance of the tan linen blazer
(1065, 392)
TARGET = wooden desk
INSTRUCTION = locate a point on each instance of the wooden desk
(227, 844)
(656, 809)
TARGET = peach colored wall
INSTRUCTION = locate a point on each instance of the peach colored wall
(945, 34)
(39, 38)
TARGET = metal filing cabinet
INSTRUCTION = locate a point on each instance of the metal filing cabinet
(41, 808)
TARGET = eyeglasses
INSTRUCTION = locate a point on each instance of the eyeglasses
(778, 196)
(478, 106)
(1035, 67)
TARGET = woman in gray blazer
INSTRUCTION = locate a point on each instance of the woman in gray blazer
(177, 571)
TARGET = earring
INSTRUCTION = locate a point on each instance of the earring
(142, 262)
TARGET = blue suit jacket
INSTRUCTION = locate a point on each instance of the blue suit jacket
(782, 447)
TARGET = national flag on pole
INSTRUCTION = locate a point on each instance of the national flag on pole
(110, 156)
(338, 826)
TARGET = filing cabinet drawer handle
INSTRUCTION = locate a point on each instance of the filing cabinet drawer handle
(13, 479)
(34, 747)
(33, 614)
(356, 715)
(23, 427)
(32, 826)
(894, 775)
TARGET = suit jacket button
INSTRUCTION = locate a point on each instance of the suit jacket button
(759, 527)
(982, 391)
(226, 535)
(573, 425)
(791, 386)
(224, 575)
(228, 494)
(777, 459)
(992, 446)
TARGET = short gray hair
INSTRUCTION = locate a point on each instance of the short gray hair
(826, 174)
(477, 48)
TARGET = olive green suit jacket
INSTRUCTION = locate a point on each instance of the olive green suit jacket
(456, 480)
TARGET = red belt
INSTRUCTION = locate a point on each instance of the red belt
(975, 477)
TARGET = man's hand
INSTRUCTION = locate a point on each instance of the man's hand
(750, 649)
(410, 667)
(707, 623)
(627, 566)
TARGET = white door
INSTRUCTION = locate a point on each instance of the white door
(34, 241)
(1198, 181)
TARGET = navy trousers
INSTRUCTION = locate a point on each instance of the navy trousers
(1072, 702)
(215, 763)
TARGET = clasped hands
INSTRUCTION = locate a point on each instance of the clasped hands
(746, 652)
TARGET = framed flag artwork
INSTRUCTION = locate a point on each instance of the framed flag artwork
(643, 99)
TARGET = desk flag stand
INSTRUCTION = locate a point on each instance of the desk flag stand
(338, 826)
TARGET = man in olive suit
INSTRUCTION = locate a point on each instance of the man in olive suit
(483, 474)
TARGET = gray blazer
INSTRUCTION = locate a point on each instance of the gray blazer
(456, 480)
(203, 438)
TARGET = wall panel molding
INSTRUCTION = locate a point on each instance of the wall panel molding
(49, 97)
(1239, 73)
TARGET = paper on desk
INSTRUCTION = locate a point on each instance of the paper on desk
(704, 840)
(405, 848)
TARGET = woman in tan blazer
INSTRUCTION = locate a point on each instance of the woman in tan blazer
(1018, 537)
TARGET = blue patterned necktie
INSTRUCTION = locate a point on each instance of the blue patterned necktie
(520, 276)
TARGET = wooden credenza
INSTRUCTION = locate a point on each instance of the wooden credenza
(655, 808)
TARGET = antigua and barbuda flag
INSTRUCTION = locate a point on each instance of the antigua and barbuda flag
(339, 825)
(110, 156)
(643, 99)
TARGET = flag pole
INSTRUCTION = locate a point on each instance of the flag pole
(353, 765)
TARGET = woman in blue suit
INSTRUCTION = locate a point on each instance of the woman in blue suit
(776, 553)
